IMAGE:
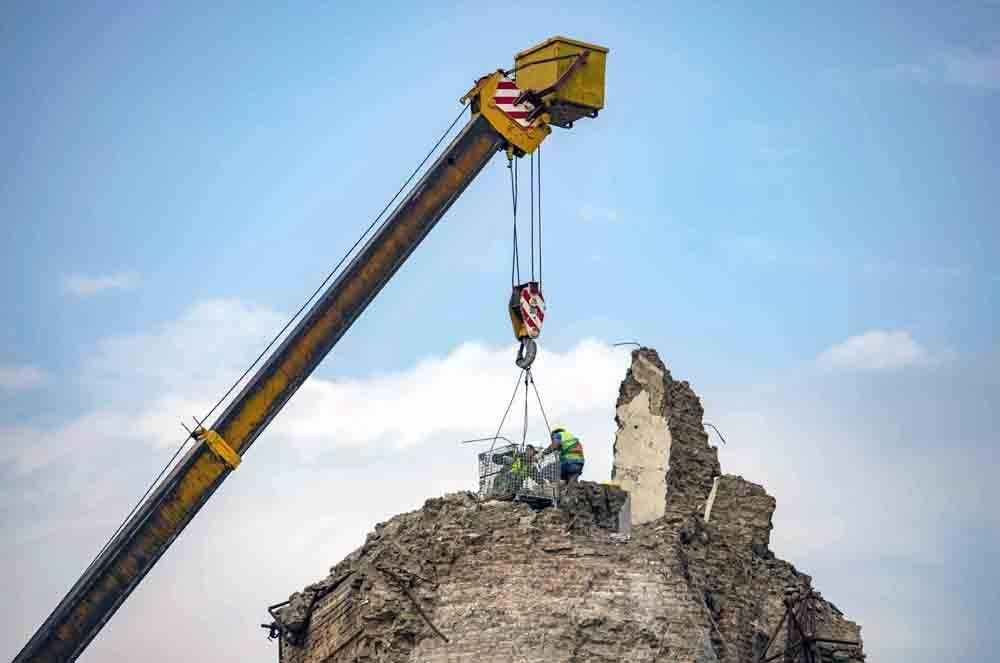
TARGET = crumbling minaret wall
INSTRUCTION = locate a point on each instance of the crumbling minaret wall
(661, 455)
(742, 511)
(467, 579)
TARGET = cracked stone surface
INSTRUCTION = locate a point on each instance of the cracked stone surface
(464, 580)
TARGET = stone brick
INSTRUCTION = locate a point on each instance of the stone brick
(493, 582)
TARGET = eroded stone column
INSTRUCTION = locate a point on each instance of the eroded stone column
(642, 445)
(662, 455)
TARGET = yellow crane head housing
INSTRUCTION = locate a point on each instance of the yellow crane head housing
(556, 83)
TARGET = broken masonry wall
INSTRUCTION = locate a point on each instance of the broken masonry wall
(742, 512)
(495, 581)
(642, 444)
(661, 454)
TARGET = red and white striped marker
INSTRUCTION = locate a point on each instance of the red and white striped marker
(532, 309)
(505, 96)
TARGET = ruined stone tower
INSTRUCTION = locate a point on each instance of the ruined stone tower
(465, 580)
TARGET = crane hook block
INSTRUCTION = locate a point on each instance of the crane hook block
(527, 310)
(526, 353)
(219, 447)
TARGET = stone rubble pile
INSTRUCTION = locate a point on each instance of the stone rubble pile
(466, 580)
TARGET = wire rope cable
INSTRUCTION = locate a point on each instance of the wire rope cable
(532, 201)
(541, 407)
(515, 261)
(517, 386)
(524, 429)
(282, 331)
(539, 150)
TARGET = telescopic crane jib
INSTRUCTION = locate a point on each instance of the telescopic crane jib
(554, 84)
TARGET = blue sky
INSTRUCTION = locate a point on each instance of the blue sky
(796, 206)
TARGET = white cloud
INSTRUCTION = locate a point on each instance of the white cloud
(965, 67)
(464, 393)
(195, 357)
(16, 378)
(343, 455)
(347, 453)
(149, 382)
(81, 285)
(876, 350)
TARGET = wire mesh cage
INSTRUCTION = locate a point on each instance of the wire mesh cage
(513, 472)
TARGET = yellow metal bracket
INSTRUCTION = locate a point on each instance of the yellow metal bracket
(219, 447)
(523, 139)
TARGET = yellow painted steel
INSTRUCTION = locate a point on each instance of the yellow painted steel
(296, 359)
(520, 329)
(164, 525)
(219, 447)
(525, 139)
(162, 517)
(202, 470)
(584, 87)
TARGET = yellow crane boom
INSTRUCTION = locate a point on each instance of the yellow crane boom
(558, 82)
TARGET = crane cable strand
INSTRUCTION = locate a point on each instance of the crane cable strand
(280, 333)
(532, 187)
(524, 429)
(541, 407)
(515, 261)
(539, 150)
(517, 386)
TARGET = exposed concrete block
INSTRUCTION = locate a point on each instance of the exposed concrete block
(661, 455)
(642, 448)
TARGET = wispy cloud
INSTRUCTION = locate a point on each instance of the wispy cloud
(877, 350)
(81, 285)
(16, 378)
(964, 67)
(392, 438)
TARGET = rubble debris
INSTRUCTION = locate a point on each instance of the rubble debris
(498, 581)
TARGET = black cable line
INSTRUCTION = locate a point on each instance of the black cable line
(524, 431)
(539, 150)
(515, 265)
(341, 262)
(277, 336)
(517, 386)
(486, 439)
(532, 171)
(541, 407)
(543, 61)
(717, 431)
(135, 508)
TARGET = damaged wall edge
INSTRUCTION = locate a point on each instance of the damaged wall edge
(461, 579)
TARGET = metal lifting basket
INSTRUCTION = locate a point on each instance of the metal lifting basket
(506, 473)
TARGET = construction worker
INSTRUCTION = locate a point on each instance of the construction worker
(570, 454)
(516, 468)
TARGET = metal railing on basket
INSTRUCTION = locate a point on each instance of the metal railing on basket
(512, 472)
